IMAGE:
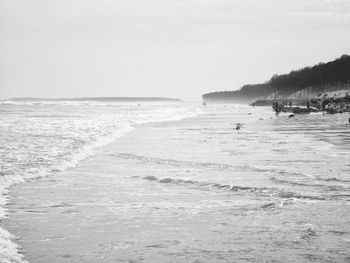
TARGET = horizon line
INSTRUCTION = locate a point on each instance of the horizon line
(111, 98)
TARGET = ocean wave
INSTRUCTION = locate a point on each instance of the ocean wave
(334, 179)
(178, 163)
(43, 141)
(262, 191)
(10, 250)
(312, 183)
(285, 173)
(207, 185)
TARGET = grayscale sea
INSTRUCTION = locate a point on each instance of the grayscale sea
(105, 182)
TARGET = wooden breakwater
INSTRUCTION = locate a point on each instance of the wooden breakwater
(329, 105)
(332, 105)
(270, 102)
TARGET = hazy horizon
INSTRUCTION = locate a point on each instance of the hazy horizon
(95, 98)
(169, 48)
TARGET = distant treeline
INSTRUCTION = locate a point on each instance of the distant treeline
(322, 75)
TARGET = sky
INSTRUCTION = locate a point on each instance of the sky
(167, 48)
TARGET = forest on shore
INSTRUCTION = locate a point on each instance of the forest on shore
(320, 77)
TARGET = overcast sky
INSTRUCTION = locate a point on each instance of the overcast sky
(172, 48)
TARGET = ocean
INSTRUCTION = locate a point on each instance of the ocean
(172, 182)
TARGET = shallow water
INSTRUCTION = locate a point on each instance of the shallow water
(42, 138)
(197, 190)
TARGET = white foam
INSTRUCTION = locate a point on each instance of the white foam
(41, 142)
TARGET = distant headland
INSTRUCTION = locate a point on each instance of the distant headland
(323, 80)
(110, 99)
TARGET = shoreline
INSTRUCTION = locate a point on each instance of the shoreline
(21, 202)
(16, 193)
(10, 247)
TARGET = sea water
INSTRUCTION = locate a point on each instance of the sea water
(175, 183)
(41, 138)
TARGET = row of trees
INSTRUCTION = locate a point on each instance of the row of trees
(337, 71)
(331, 73)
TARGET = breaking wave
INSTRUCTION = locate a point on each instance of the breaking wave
(42, 138)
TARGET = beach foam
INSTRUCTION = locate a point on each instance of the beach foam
(42, 138)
